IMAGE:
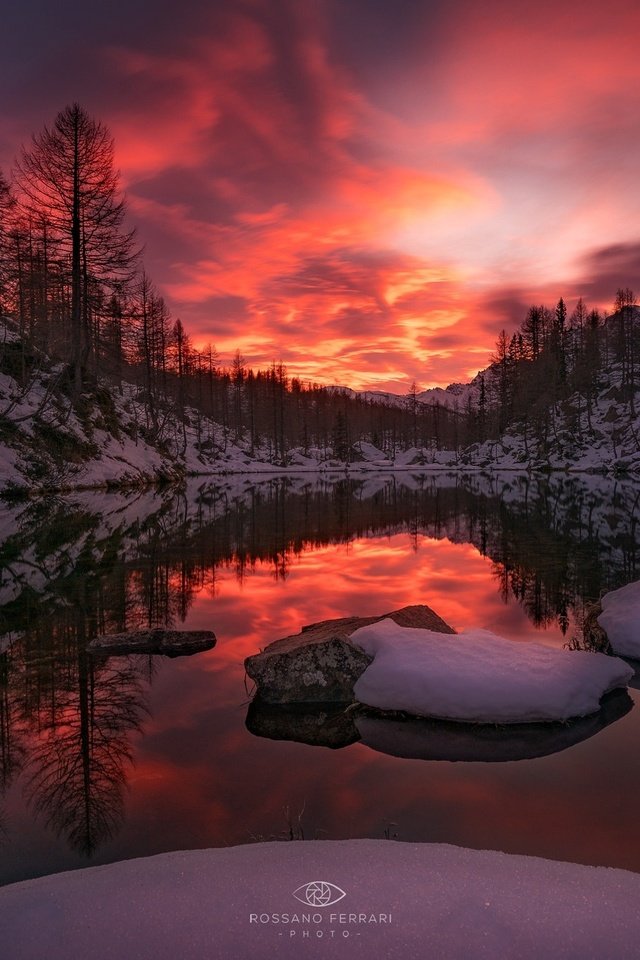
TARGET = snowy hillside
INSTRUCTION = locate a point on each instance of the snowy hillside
(398, 898)
(112, 435)
(601, 434)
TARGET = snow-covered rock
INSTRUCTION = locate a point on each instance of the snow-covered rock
(385, 899)
(480, 677)
(370, 453)
(620, 619)
(321, 663)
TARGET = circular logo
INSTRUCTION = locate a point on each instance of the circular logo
(319, 893)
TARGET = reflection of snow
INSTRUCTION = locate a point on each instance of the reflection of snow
(478, 676)
(620, 619)
(401, 900)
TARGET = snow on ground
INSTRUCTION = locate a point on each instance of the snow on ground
(480, 677)
(370, 453)
(620, 619)
(388, 900)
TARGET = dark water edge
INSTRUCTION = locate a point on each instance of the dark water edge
(106, 758)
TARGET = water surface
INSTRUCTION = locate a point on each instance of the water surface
(103, 759)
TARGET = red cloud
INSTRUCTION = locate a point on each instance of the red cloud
(297, 214)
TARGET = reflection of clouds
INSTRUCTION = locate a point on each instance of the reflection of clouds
(351, 791)
(198, 772)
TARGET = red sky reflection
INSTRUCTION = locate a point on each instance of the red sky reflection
(365, 191)
(205, 772)
(208, 780)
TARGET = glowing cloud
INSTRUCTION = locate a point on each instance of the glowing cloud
(367, 193)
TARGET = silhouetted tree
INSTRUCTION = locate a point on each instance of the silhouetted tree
(67, 181)
(7, 205)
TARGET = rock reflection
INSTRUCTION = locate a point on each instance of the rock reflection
(426, 739)
(321, 725)
(422, 739)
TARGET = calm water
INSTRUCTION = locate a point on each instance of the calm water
(106, 759)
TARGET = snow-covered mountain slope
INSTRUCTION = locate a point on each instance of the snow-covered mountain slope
(457, 396)
(109, 436)
(578, 435)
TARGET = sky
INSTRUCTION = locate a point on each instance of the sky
(365, 190)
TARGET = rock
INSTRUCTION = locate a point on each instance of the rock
(321, 664)
(170, 643)
(595, 638)
(5, 642)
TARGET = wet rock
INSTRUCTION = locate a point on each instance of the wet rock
(169, 643)
(321, 663)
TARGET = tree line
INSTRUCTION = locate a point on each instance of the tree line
(555, 366)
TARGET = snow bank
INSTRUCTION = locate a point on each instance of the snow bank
(480, 677)
(389, 899)
(620, 619)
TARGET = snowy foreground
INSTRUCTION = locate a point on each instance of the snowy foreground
(620, 619)
(384, 900)
(480, 677)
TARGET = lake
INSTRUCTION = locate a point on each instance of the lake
(109, 758)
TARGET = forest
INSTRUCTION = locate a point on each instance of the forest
(74, 286)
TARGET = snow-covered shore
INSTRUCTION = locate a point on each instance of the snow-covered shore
(106, 441)
(350, 899)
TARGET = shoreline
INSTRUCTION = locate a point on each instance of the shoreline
(12, 494)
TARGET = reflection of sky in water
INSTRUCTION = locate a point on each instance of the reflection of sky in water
(201, 779)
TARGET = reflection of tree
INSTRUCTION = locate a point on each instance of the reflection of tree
(543, 537)
(71, 573)
(12, 749)
(77, 768)
(11, 744)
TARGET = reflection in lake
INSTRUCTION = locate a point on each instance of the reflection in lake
(423, 739)
(426, 739)
(78, 762)
(122, 756)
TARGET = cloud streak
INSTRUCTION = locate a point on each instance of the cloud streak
(367, 194)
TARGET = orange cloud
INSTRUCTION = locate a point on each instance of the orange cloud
(357, 229)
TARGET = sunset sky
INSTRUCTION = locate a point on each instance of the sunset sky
(367, 190)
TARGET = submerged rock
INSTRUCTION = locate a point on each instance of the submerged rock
(321, 663)
(169, 643)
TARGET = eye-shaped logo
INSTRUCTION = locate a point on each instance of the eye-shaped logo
(319, 893)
